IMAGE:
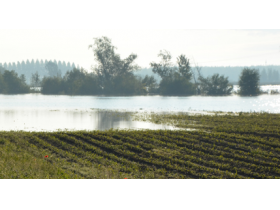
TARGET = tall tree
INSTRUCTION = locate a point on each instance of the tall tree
(5, 66)
(19, 67)
(165, 67)
(32, 66)
(23, 67)
(249, 82)
(37, 66)
(68, 66)
(35, 79)
(9, 66)
(176, 80)
(109, 63)
(52, 69)
(14, 66)
(73, 66)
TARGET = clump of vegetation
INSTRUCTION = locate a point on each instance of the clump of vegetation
(176, 80)
(249, 82)
(11, 83)
(215, 85)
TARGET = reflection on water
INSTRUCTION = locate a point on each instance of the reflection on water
(51, 120)
(37, 112)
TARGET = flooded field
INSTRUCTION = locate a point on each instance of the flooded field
(86, 119)
(37, 112)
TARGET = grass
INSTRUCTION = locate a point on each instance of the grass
(224, 145)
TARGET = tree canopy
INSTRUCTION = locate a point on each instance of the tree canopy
(215, 85)
(249, 82)
(175, 79)
(109, 63)
(52, 68)
(10, 83)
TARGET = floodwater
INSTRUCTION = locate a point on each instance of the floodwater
(37, 112)
(86, 119)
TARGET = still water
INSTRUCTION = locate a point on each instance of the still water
(86, 119)
(36, 112)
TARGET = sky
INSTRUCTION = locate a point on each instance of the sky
(63, 31)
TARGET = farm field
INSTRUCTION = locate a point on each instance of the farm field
(224, 145)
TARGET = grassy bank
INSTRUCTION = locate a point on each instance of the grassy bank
(226, 145)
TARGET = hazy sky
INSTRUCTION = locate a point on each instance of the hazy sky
(205, 47)
(62, 30)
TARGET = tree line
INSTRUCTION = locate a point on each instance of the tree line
(115, 76)
(30, 67)
(268, 74)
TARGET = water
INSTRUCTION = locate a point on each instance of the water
(264, 88)
(86, 119)
(36, 112)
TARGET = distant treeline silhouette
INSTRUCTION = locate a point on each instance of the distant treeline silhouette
(30, 67)
(268, 74)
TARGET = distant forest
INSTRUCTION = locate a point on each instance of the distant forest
(27, 68)
(268, 74)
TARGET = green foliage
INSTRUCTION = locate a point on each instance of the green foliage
(126, 84)
(175, 80)
(150, 84)
(10, 83)
(176, 85)
(2, 70)
(215, 85)
(35, 80)
(79, 82)
(249, 82)
(165, 68)
(52, 69)
(184, 67)
(110, 65)
(52, 85)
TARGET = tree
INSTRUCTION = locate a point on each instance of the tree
(52, 69)
(2, 70)
(35, 79)
(263, 76)
(52, 85)
(109, 64)
(13, 84)
(249, 82)
(215, 85)
(175, 79)
(150, 84)
(176, 85)
(22, 78)
(2, 83)
(165, 68)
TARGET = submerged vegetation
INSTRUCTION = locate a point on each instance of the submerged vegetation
(224, 145)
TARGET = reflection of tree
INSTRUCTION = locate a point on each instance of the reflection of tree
(106, 120)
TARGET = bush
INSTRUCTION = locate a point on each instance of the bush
(52, 85)
(215, 85)
(176, 85)
(249, 82)
(10, 83)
